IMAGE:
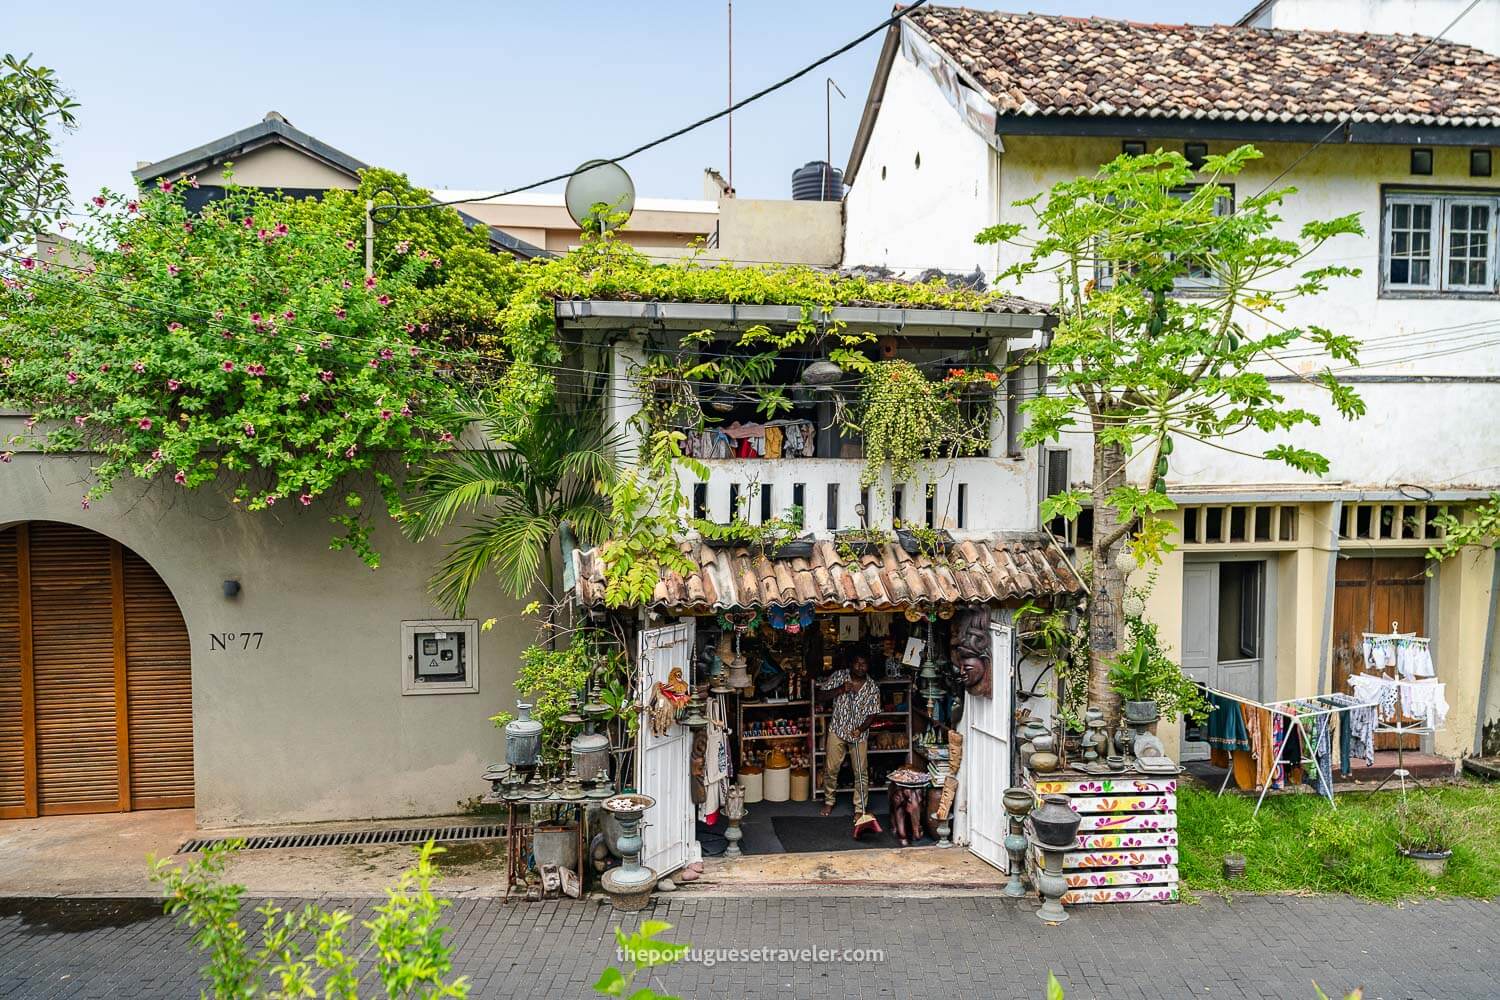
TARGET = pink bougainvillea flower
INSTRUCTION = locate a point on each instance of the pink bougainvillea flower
(264, 234)
(228, 366)
(270, 499)
(255, 318)
(326, 376)
(256, 370)
(27, 263)
(187, 227)
(326, 343)
(374, 362)
(413, 350)
(98, 200)
(406, 411)
(166, 187)
(347, 283)
(384, 300)
(104, 367)
(249, 222)
(6, 456)
(402, 246)
(249, 430)
(288, 315)
(351, 451)
(144, 423)
(173, 385)
(79, 419)
(306, 499)
(386, 354)
(410, 328)
(340, 313)
(370, 281)
(30, 422)
(226, 334)
(297, 348)
(348, 244)
(193, 182)
(156, 455)
(84, 503)
(303, 396)
(445, 437)
(72, 378)
(385, 414)
(174, 325)
(173, 270)
(138, 367)
(131, 206)
(423, 328)
(180, 477)
(281, 229)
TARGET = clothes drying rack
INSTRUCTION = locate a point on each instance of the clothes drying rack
(1399, 729)
(1294, 710)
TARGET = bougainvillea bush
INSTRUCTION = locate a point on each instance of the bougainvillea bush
(241, 347)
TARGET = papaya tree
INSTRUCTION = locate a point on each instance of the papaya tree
(1170, 295)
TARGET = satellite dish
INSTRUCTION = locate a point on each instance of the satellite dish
(595, 183)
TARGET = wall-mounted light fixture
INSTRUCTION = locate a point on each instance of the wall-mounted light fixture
(231, 589)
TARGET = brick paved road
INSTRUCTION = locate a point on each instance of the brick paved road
(955, 947)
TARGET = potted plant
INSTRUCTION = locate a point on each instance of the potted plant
(1149, 684)
(1425, 835)
(918, 539)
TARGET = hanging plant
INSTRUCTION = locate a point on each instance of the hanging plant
(906, 418)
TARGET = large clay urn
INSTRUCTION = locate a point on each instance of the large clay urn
(1054, 823)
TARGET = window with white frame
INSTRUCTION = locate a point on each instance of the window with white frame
(1440, 242)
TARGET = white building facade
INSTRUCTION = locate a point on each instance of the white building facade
(1276, 572)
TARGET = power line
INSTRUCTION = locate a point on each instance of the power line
(737, 105)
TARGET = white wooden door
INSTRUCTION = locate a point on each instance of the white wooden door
(662, 763)
(1200, 633)
(987, 754)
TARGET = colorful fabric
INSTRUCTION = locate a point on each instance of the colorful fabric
(850, 710)
(1226, 726)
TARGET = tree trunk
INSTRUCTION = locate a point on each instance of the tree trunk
(1107, 583)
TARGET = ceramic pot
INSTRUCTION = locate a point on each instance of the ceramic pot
(1054, 822)
(1141, 712)
(1434, 863)
(1018, 801)
(1044, 761)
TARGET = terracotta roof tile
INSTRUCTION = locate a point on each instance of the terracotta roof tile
(1042, 65)
(995, 568)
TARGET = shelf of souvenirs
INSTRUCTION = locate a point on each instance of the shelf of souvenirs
(774, 704)
(824, 753)
(776, 736)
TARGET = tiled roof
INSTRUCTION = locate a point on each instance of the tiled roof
(975, 571)
(1033, 64)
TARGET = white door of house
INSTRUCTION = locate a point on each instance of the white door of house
(986, 754)
(1226, 618)
(662, 764)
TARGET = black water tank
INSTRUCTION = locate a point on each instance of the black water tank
(817, 181)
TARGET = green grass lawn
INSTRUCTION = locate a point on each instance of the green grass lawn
(1299, 844)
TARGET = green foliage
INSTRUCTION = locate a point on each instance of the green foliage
(1298, 844)
(646, 505)
(767, 534)
(549, 677)
(1144, 672)
(1044, 633)
(644, 952)
(1426, 825)
(522, 489)
(906, 418)
(241, 347)
(1477, 527)
(1137, 359)
(33, 184)
(307, 952)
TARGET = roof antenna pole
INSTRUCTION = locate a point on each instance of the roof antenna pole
(828, 89)
(369, 237)
(731, 95)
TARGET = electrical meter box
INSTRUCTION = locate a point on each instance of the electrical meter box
(438, 656)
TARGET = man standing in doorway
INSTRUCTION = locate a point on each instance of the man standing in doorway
(856, 700)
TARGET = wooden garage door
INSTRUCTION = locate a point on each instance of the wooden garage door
(95, 680)
(1369, 595)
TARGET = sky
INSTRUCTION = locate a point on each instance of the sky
(475, 95)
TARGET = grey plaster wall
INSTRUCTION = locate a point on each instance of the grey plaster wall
(312, 725)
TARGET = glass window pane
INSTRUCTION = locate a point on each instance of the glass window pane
(1421, 272)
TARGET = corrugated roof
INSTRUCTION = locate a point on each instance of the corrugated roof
(1000, 567)
(1032, 64)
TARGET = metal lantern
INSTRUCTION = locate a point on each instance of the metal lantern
(590, 753)
(523, 739)
(739, 677)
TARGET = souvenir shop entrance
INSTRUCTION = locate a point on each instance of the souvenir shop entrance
(829, 718)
